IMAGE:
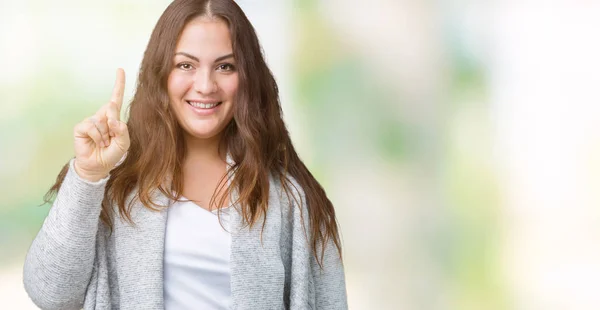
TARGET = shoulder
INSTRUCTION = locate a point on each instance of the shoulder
(289, 195)
(288, 190)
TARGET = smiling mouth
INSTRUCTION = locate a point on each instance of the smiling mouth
(204, 105)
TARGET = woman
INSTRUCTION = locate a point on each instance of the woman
(199, 201)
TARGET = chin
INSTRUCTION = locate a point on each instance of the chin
(196, 133)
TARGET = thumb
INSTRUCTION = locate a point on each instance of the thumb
(119, 132)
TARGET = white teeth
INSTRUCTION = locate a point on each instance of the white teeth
(203, 105)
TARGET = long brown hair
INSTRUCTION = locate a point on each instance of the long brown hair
(256, 139)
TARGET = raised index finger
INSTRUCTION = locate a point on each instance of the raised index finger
(119, 90)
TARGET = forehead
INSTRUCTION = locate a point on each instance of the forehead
(205, 36)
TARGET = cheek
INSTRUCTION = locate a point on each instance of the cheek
(176, 85)
(230, 86)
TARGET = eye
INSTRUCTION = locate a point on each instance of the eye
(227, 67)
(185, 66)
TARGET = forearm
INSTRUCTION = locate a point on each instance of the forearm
(60, 260)
(330, 281)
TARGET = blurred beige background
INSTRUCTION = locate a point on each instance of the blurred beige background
(458, 140)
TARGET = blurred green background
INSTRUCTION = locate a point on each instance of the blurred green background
(458, 140)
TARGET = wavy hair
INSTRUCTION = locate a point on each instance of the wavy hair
(256, 138)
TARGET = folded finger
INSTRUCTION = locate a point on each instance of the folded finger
(102, 126)
(88, 129)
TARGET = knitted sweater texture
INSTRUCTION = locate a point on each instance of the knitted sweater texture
(75, 262)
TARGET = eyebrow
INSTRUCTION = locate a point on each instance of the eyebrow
(198, 60)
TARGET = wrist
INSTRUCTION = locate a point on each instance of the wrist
(90, 177)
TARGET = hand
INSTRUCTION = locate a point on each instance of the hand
(102, 139)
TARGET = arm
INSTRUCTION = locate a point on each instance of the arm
(60, 261)
(329, 282)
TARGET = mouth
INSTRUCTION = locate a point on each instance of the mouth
(204, 105)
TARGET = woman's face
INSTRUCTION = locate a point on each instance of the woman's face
(204, 80)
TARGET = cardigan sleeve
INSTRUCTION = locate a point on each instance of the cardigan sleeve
(60, 261)
(330, 282)
(327, 285)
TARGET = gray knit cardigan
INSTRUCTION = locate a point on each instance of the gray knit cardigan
(74, 262)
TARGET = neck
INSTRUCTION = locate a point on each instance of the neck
(203, 151)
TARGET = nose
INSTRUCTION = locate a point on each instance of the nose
(204, 82)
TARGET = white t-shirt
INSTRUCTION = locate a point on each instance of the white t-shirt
(196, 258)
